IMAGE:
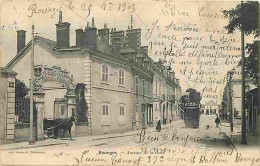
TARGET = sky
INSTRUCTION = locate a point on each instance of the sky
(188, 34)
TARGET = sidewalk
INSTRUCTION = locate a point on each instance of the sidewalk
(91, 137)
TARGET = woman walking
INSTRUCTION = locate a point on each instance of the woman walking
(158, 127)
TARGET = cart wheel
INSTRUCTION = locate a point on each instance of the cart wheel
(49, 133)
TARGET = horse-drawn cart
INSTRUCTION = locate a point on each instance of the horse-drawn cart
(51, 127)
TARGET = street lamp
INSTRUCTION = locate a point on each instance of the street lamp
(229, 107)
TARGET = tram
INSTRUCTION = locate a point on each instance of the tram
(191, 113)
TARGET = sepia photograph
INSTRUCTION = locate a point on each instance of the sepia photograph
(129, 83)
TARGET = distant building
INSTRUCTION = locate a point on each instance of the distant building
(210, 108)
(235, 91)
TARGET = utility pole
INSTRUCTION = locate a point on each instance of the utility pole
(258, 91)
(31, 140)
(132, 22)
(229, 108)
(243, 139)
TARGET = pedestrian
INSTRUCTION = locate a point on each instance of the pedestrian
(170, 120)
(221, 115)
(158, 127)
(217, 121)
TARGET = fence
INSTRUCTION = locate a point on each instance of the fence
(22, 110)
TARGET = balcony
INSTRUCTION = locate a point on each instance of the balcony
(162, 97)
(159, 97)
(172, 98)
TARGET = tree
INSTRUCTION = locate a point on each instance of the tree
(20, 89)
(252, 61)
(246, 18)
(194, 95)
(81, 107)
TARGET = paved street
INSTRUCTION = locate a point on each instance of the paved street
(133, 137)
(174, 138)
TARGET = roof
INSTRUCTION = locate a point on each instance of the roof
(48, 43)
(7, 71)
(127, 50)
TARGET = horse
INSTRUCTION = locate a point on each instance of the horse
(64, 124)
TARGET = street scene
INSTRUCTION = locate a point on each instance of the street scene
(105, 83)
(174, 138)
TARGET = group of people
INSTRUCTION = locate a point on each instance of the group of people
(159, 127)
(223, 116)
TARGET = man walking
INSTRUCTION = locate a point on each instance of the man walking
(217, 121)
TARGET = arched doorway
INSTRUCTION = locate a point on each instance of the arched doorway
(59, 90)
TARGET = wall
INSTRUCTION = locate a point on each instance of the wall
(3, 103)
(72, 62)
(22, 132)
(111, 93)
(158, 77)
(7, 105)
(81, 129)
(49, 98)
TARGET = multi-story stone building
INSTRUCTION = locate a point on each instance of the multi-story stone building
(232, 91)
(116, 71)
(210, 108)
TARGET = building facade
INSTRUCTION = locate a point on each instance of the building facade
(232, 92)
(118, 76)
(210, 108)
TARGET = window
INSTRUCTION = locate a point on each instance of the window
(104, 73)
(149, 89)
(105, 115)
(121, 110)
(73, 111)
(105, 110)
(143, 87)
(121, 114)
(156, 90)
(136, 84)
(62, 110)
(136, 107)
(160, 89)
(121, 77)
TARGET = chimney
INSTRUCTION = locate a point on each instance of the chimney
(93, 24)
(133, 39)
(90, 35)
(63, 33)
(79, 37)
(104, 34)
(20, 40)
(60, 16)
(117, 40)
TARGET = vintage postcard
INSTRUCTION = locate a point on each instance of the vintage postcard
(127, 82)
